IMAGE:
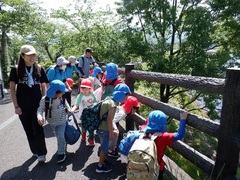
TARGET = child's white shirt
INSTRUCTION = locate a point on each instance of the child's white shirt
(120, 114)
(84, 101)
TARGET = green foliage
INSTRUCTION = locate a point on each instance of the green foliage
(182, 37)
(47, 64)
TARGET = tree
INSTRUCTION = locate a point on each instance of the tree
(178, 36)
(15, 16)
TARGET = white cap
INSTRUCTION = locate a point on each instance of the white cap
(72, 59)
(61, 61)
(28, 50)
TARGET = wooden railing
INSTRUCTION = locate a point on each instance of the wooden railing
(227, 131)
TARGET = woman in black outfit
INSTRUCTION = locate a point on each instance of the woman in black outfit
(27, 85)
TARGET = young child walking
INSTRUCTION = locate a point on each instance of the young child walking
(157, 122)
(84, 99)
(130, 106)
(55, 114)
(105, 130)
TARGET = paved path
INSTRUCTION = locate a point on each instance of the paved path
(18, 163)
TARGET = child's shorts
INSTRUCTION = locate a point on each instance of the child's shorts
(104, 139)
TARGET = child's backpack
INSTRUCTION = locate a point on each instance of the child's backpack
(91, 116)
(142, 159)
(108, 89)
(128, 140)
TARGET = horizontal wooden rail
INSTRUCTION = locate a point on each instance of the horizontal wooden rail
(204, 84)
(227, 131)
(203, 124)
(197, 158)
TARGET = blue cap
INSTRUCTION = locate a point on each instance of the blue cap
(56, 85)
(111, 71)
(122, 87)
(96, 70)
(118, 96)
(157, 122)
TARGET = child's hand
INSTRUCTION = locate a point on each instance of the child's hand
(41, 122)
(116, 132)
(70, 111)
(184, 115)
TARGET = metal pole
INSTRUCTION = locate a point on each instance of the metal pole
(1, 87)
(1, 77)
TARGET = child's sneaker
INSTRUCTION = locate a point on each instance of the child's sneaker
(113, 154)
(105, 168)
(91, 142)
(84, 136)
(61, 158)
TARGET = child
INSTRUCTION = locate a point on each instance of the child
(105, 130)
(110, 79)
(97, 78)
(130, 106)
(85, 98)
(157, 122)
(56, 114)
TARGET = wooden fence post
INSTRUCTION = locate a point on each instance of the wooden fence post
(227, 152)
(130, 82)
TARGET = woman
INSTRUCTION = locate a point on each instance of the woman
(27, 83)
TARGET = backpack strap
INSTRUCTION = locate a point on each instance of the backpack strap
(150, 136)
(83, 61)
(75, 121)
(48, 106)
(63, 100)
(155, 135)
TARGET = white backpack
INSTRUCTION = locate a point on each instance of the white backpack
(142, 159)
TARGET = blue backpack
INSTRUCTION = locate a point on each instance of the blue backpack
(128, 140)
(72, 133)
(91, 116)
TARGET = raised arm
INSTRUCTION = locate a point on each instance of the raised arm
(182, 126)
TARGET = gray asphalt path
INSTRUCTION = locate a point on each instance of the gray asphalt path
(17, 162)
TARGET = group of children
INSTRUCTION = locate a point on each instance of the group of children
(86, 97)
(117, 106)
(28, 83)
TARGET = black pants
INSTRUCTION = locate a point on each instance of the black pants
(34, 132)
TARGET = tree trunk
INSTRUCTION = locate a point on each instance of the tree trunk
(164, 93)
(3, 55)
(227, 152)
